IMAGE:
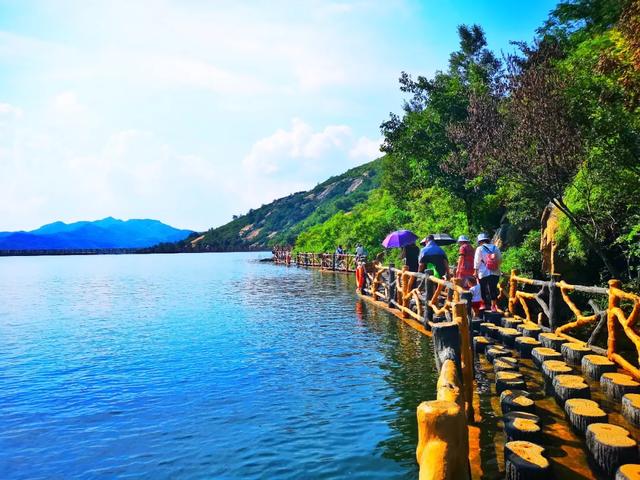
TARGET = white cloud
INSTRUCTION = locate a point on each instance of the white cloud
(190, 72)
(6, 109)
(297, 158)
(67, 103)
(299, 146)
(366, 148)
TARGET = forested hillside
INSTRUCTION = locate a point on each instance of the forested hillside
(282, 220)
(494, 142)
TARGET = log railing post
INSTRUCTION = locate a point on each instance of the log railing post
(614, 302)
(456, 285)
(466, 355)
(429, 288)
(513, 288)
(392, 285)
(553, 302)
(443, 439)
(333, 262)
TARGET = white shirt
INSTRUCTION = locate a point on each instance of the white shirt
(480, 259)
(476, 293)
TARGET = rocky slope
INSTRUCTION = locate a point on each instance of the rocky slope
(283, 219)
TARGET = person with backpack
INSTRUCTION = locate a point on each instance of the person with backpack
(486, 264)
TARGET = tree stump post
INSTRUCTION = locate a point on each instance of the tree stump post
(610, 447)
(392, 285)
(443, 443)
(446, 344)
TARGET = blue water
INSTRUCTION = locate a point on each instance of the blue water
(201, 366)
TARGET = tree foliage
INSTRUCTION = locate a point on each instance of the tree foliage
(488, 140)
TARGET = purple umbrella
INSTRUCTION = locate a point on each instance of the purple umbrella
(399, 239)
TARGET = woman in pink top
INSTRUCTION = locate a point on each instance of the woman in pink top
(464, 268)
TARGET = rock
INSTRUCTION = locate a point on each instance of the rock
(516, 400)
(631, 408)
(615, 385)
(524, 345)
(542, 354)
(548, 244)
(583, 412)
(573, 352)
(525, 461)
(610, 447)
(509, 381)
(570, 386)
(593, 366)
(522, 426)
(551, 340)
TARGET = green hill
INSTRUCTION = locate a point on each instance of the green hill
(282, 220)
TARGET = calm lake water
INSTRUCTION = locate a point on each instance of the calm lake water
(201, 366)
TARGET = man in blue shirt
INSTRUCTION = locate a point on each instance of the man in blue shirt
(432, 254)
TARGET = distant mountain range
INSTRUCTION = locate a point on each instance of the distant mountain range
(106, 233)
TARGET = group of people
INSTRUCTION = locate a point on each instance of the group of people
(361, 253)
(478, 269)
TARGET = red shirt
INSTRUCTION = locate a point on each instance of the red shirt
(465, 261)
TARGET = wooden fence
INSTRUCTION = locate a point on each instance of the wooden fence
(613, 307)
(339, 262)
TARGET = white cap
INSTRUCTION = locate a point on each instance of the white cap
(463, 238)
(483, 237)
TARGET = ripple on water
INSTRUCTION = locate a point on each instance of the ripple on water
(201, 366)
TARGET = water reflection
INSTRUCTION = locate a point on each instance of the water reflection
(410, 371)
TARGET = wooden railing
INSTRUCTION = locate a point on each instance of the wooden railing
(421, 296)
(620, 315)
(339, 262)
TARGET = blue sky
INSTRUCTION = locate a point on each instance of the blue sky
(190, 111)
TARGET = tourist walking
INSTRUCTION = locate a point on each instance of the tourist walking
(433, 257)
(486, 263)
(464, 267)
(410, 255)
(361, 253)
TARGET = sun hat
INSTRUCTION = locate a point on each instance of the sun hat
(482, 237)
(463, 238)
